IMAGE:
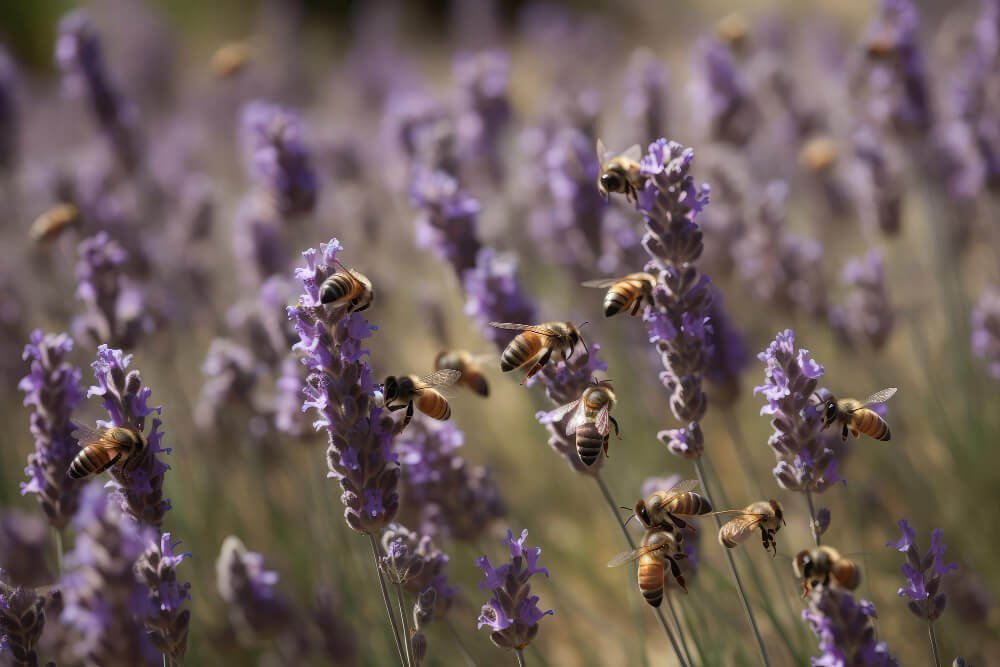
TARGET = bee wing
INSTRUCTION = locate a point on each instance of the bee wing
(880, 396)
(600, 284)
(602, 151)
(578, 419)
(563, 410)
(523, 327)
(684, 486)
(602, 419)
(442, 378)
(629, 556)
(633, 152)
(86, 435)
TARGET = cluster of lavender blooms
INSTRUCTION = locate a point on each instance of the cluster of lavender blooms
(341, 391)
(512, 614)
(166, 622)
(443, 494)
(843, 625)
(923, 573)
(277, 159)
(483, 109)
(805, 463)
(866, 316)
(52, 390)
(646, 93)
(721, 96)
(22, 619)
(986, 330)
(114, 305)
(875, 183)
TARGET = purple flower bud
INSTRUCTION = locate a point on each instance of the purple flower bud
(22, 619)
(986, 330)
(415, 562)
(277, 158)
(167, 622)
(973, 96)
(255, 608)
(844, 629)
(512, 613)
(821, 523)
(922, 574)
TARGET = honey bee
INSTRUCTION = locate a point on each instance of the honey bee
(469, 365)
(592, 421)
(658, 548)
(664, 508)
(53, 222)
(620, 173)
(347, 288)
(856, 416)
(765, 514)
(822, 565)
(818, 154)
(101, 449)
(626, 292)
(230, 59)
(733, 30)
(536, 343)
(407, 390)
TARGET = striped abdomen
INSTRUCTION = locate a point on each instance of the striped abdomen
(688, 504)
(590, 442)
(525, 346)
(623, 295)
(651, 578)
(870, 423)
(433, 404)
(93, 460)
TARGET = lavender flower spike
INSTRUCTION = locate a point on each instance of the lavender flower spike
(340, 389)
(167, 622)
(277, 157)
(512, 613)
(257, 611)
(923, 573)
(986, 330)
(866, 316)
(22, 619)
(844, 629)
(413, 561)
(139, 489)
(790, 378)
(52, 390)
(114, 305)
(105, 598)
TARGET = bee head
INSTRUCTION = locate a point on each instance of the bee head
(642, 513)
(390, 388)
(779, 514)
(802, 565)
(613, 180)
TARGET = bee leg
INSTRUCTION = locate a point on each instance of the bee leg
(805, 589)
(408, 417)
(637, 306)
(605, 445)
(675, 570)
(618, 431)
(843, 435)
(544, 359)
(680, 523)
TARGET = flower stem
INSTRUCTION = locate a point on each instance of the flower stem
(699, 467)
(406, 625)
(469, 660)
(385, 599)
(677, 624)
(59, 550)
(935, 657)
(520, 657)
(628, 538)
(812, 517)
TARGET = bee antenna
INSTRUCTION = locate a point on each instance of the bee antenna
(630, 517)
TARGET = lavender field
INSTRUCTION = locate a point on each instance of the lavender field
(332, 334)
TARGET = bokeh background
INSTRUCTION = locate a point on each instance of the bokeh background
(779, 231)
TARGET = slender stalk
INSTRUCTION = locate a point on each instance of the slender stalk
(812, 517)
(406, 624)
(677, 624)
(520, 657)
(469, 660)
(628, 538)
(700, 468)
(59, 550)
(385, 599)
(935, 656)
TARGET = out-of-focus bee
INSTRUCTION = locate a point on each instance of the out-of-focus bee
(823, 565)
(663, 508)
(469, 365)
(619, 172)
(101, 449)
(592, 421)
(732, 29)
(765, 514)
(856, 416)
(537, 343)
(818, 154)
(53, 222)
(230, 59)
(405, 391)
(629, 291)
(658, 548)
(349, 289)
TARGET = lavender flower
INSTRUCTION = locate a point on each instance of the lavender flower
(288, 414)
(483, 106)
(448, 219)
(167, 622)
(493, 294)
(844, 629)
(277, 158)
(52, 390)
(875, 184)
(79, 55)
(105, 599)
(22, 619)
(24, 546)
(255, 608)
(139, 489)
(720, 95)
(258, 243)
(866, 316)
(790, 378)
(232, 377)
(341, 391)
(413, 561)
(442, 493)
(923, 574)
(646, 93)
(512, 613)
(113, 303)
(978, 88)
(986, 330)
(727, 355)
(10, 117)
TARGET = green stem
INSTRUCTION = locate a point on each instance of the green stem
(406, 625)
(677, 624)
(736, 575)
(520, 657)
(469, 660)
(385, 599)
(59, 550)
(812, 517)
(935, 656)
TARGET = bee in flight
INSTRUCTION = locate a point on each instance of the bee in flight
(823, 565)
(627, 292)
(592, 420)
(537, 343)
(658, 548)
(230, 59)
(405, 391)
(469, 365)
(856, 416)
(765, 514)
(53, 222)
(347, 288)
(104, 448)
(664, 508)
(620, 172)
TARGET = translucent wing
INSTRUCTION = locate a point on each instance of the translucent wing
(629, 556)
(522, 327)
(880, 396)
(563, 410)
(442, 378)
(86, 435)
(684, 486)
(578, 419)
(602, 151)
(633, 152)
(600, 284)
(483, 359)
(602, 419)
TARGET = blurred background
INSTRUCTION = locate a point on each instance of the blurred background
(853, 200)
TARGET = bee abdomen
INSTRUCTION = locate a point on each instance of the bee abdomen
(86, 464)
(335, 287)
(616, 300)
(478, 384)
(730, 538)
(651, 582)
(518, 353)
(434, 405)
(691, 504)
(870, 423)
(589, 443)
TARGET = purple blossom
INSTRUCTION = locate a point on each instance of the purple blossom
(790, 379)
(512, 613)
(976, 89)
(985, 322)
(257, 610)
(727, 354)
(140, 488)
(646, 93)
(922, 573)
(258, 241)
(52, 391)
(415, 562)
(493, 294)
(167, 622)
(720, 95)
(340, 390)
(448, 219)
(875, 184)
(22, 619)
(114, 304)
(483, 106)
(844, 629)
(866, 317)
(277, 158)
